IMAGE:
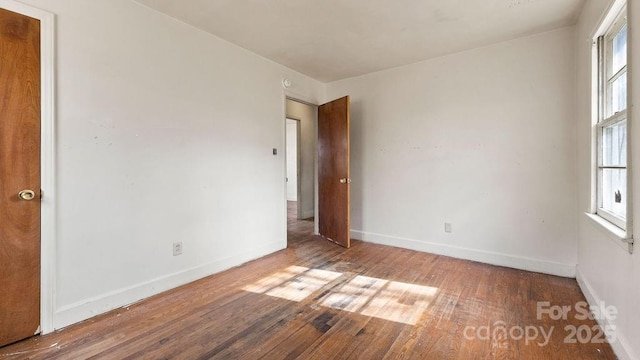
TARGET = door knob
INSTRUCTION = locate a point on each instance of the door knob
(345, 181)
(27, 195)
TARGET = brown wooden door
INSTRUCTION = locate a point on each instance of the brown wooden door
(333, 171)
(19, 171)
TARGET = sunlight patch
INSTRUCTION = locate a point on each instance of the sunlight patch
(263, 285)
(294, 283)
(384, 299)
(355, 294)
(401, 302)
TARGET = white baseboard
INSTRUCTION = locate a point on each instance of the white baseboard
(620, 346)
(488, 257)
(89, 308)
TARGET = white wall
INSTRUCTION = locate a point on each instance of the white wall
(606, 271)
(292, 160)
(164, 134)
(483, 139)
(306, 115)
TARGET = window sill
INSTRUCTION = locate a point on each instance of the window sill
(613, 232)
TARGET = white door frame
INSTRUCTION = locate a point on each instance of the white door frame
(47, 159)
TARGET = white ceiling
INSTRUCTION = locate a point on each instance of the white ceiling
(335, 39)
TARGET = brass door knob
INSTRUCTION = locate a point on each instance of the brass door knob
(27, 195)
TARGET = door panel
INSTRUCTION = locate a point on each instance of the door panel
(19, 170)
(333, 171)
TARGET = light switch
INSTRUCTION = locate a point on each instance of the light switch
(275, 151)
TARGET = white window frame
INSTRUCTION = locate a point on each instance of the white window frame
(605, 79)
(613, 21)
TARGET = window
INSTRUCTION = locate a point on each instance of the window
(612, 123)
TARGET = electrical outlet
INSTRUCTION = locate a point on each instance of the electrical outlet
(447, 227)
(177, 248)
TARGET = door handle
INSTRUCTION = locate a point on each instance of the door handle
(345, 181)
(27, 195)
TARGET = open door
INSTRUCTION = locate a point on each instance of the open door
(334, 208)
(19, 177)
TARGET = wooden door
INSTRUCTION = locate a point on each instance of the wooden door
(19, 177)
(333, 171)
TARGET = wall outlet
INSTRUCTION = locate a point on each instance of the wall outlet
(177, 248)
(447, 227)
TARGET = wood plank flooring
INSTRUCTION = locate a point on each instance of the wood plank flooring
(316, 300)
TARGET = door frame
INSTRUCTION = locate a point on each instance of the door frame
(47, 158)
(287, 95)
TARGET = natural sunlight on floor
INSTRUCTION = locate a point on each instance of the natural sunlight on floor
(368, 296)
(294, 283)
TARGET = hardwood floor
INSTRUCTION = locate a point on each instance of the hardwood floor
(316, 300)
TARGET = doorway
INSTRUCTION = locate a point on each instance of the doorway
(301, 157)
(301, 119)
(317, 163)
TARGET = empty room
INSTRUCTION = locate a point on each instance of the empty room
(356, 179)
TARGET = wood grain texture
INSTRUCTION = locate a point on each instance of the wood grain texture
(362, 313)
(19, 170)
(334, 217)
